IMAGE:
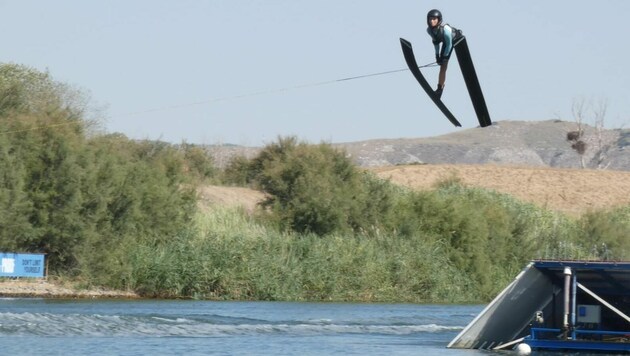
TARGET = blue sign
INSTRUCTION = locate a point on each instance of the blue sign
(21, 265)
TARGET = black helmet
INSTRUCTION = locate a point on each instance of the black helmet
(434, 13)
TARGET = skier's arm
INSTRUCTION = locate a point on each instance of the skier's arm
(448, 41)
(436, 44)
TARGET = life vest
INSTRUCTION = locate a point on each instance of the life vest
(437, 34)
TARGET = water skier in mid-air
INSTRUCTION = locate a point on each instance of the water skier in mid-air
(446, 35)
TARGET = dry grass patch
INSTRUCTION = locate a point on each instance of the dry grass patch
(571, 191)
(229, 197)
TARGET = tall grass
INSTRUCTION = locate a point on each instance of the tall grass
(230, 256)
(227, 254)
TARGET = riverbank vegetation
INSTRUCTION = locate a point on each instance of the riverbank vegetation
(121, 213)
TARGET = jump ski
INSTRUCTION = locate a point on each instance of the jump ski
(413, 67)
(472, 83)
(470, 78)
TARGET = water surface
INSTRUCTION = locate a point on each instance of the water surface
(80, 327)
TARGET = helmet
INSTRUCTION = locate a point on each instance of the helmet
(434, 13)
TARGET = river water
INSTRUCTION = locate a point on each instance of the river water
(150, 327)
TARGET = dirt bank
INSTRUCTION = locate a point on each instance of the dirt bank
(40, 288)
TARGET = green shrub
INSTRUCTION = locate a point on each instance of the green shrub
(606, 234)
(311, 188)
(75, 196)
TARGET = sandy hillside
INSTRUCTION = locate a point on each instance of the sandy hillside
(572, 191)
(245, 198)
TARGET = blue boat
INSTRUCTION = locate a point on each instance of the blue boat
(557, 305)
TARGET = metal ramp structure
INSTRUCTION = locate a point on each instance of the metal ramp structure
(557, 305)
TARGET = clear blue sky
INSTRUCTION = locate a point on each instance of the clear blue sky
(159, 66)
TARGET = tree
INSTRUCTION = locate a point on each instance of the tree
(605, 234)
(315, 188)
(576, 137)
(55, 183)
(15, 207)
(76, 196)
(198, 162)
(601, 146)
(598, 146)
(28, 91)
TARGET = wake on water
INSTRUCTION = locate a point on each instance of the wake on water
(176, 327)
(49, 324)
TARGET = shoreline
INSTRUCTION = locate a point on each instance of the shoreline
(41, 288)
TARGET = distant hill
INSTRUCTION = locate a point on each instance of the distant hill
(522, 143)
